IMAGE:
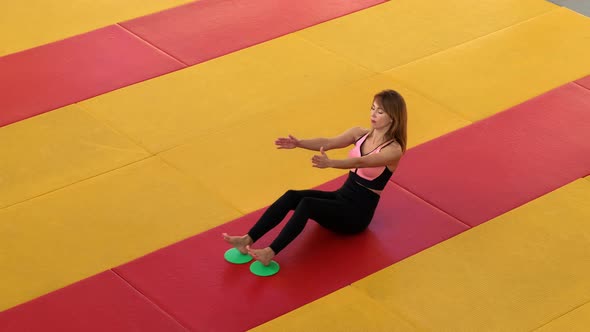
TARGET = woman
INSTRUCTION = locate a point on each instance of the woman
(348, 210)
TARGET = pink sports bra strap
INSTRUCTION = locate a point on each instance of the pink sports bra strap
(384, 145)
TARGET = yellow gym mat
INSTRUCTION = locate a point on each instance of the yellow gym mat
(576, 320)
(76, 232)
(58, 148)
(242, 164)
(401, 31)
(163, 112)
(515, 272)
(347, 309)
(489, 75)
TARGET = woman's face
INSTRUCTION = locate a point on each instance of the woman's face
(379, 119)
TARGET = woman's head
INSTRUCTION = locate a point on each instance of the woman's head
(392, 104)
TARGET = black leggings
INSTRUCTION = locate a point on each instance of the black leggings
(347, 210)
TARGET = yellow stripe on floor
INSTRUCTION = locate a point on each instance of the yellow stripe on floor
(515, 272)
(31, 23)
(58, 148)
(344, 310)
(163, 112)
(401, 31)
(242, 164)
(73, 233)
(493, 73)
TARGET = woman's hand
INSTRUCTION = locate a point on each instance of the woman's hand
(321, 160)
(287, 142)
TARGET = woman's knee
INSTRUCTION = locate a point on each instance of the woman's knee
(291, 198)
(305, 205)
(291, 195)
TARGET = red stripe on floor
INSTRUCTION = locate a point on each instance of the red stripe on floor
(497, 164)
(104, 302)
(208, 29)
(193, 282)
(68, 71)
(58, 74)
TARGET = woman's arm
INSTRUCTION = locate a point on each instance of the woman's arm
(388, 156)
(341, 141)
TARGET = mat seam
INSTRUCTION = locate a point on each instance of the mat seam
(294, 29)
(475, 39)
(435, 101)
(432, 204)
(150, 300)
(76, 182)
(341, 56)
(198, 182)
(337, 55)
(108, 125)
(562, 315)
(111, 126)
(580, 85)
(152, 45)
(430, 98)
(441, 50)
(395, 310)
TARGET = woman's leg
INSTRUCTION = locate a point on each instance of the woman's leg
(273, 216)
(335, 214)
(279, 209)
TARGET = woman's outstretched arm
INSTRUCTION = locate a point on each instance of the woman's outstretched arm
(388, 156)
(341, 141)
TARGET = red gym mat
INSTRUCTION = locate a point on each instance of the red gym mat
(191, 280)
(57, 74)
(585, 82)
(500, 163)
(206, 29)
(104, 302)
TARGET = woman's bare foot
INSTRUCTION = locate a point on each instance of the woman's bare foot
(240, 242)
(263, 255)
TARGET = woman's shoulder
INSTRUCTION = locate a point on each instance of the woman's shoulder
(358, 132)
(393, 147)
